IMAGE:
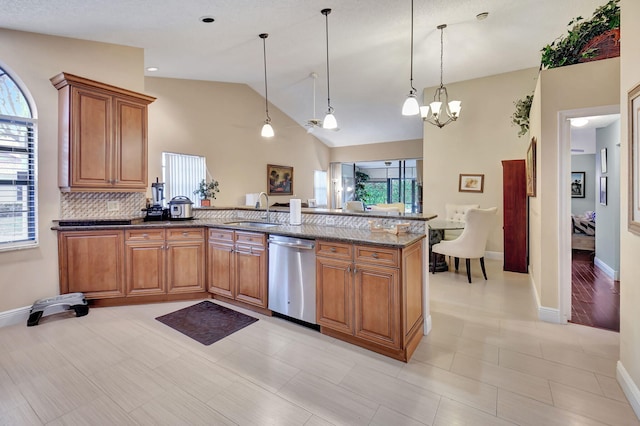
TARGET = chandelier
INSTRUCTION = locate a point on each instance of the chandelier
(441, 112)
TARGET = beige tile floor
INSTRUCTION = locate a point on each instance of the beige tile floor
(488, 361)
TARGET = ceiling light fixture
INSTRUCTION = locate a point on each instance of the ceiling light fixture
(152, 69)
(411, 106)
(434, 112)
(329, 121)
(267, 130)
(207, 19)
(482, 16)
(579, 122)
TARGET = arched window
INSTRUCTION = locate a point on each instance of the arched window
(17, 167)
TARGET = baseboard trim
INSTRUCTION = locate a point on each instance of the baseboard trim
(612, 273)
(427, 325)
(544, 313)
(629, 388)
(14, 316)
(497, 255)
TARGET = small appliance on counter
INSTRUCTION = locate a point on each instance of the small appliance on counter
(181, 208)
(157, 211)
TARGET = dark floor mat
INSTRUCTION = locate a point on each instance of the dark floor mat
(206, 322)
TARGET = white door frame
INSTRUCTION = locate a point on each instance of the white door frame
(564, 200)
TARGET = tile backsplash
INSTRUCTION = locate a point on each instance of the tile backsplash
(81, 205)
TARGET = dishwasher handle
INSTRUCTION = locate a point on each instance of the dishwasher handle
(302, 246)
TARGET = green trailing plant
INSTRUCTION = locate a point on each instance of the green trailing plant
(520, 117)
(207, 190)
(568, 49)
(360, 191)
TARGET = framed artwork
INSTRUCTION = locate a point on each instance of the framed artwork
(471, 183)
(531, 168)
(603, 160)
(577, 184)
(279, 180)
(633, 221)
(603, 190)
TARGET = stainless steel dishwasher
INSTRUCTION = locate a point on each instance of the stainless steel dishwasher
(292, 277)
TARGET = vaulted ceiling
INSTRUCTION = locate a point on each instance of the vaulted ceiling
(369, 47)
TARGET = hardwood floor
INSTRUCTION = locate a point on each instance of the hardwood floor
(595, 297)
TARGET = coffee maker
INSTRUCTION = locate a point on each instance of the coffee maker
(156, 211)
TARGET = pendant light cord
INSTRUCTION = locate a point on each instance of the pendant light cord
(266, 93)
(442, 27)
(413, 89)
(326, 13)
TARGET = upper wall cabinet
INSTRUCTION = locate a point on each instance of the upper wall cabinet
(102, 136)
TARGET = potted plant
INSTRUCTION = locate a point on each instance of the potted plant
(597, 38)
(360, 191)
(206, 191)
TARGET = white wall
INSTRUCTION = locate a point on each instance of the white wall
(482, 137)
(629, 367)
(585, 163)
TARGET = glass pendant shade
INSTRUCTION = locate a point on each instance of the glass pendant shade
(267, 130)
(329, 121)
(455, 108)
(411, 106)
(435, 108)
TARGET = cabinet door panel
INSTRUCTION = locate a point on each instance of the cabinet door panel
(91, 139)
(251, 273)
(334, 294)
(220, 265)
(131, 146)
(377, 305)
(145, 269)
(92, 263)
(185, 266)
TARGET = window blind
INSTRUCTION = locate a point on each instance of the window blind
(320, 190)
(182, 173)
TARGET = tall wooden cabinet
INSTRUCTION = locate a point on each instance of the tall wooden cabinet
(102, 136)
(514, 195)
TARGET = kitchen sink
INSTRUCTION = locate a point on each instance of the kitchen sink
(253, 224)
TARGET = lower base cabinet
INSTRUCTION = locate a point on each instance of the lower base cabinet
(237, 266)
(371, 296)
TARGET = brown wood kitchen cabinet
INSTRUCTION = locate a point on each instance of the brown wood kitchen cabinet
(370, 295)
(92, 262)
(102, 136)
(237, 266)
(165, 261)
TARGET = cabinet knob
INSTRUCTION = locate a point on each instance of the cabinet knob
(185, 234)
(349, 269)
(332, 249)
(145, 235)
(374, 255)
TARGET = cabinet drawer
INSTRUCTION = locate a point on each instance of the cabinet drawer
(221, 235)
(176, 234)
(334, 250)
(144, 235)
(251, 238)
(377, 255)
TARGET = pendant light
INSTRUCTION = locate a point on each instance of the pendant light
(441, 109)
(329, 121)
(267, 130)
(411, 106)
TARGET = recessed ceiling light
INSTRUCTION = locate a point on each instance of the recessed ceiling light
(207, 19)
(579, 122)
(152, 69)
(482, 16)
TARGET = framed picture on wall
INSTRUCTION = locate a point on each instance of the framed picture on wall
(633, 221)
(603, 190)
(577, 184)
(279, 180)
(603, 160)
(471, 183)
(531, 168)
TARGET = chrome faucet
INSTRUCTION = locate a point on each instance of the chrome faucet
(258, 204)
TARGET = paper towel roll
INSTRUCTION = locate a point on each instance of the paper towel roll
(295, 211)
(251, 199)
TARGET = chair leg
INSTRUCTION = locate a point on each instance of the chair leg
(433, 262)
(484, 271)
(457, 262)
(468, 262)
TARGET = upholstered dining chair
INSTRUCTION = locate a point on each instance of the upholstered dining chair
(354, 206)
(471, 243)
(456, 213)
(388, 207)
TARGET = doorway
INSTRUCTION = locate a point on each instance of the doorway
(590, 216)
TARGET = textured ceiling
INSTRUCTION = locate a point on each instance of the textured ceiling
(369, 47)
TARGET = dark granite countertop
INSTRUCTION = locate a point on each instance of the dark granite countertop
(351, 235)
